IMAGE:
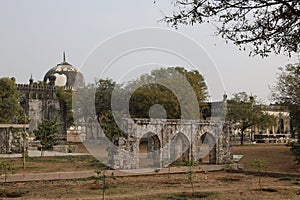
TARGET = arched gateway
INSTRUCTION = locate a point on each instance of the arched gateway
(159, 142)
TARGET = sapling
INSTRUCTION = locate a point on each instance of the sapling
(259, 165)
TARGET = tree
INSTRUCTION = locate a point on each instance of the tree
(65, 96)
(10, 109)
(104, 89)
(295, 149)
(109, 125)
(286, 91)
(103, 96)
(173, 88)
(259, 166)
(45, 132)
(263, 25)
(244, 113)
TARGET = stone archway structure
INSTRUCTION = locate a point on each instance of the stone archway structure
(165, 141)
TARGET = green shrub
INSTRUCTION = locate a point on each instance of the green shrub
(295, 149)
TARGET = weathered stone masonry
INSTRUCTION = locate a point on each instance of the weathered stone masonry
(158, 142)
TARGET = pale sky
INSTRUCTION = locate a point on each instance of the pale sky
(34, 33)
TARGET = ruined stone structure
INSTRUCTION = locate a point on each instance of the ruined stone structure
(159, 142)
(39, 102)
(11, 138)
(39, 99)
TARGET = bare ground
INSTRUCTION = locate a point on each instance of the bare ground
(278, 157)
(214, 185)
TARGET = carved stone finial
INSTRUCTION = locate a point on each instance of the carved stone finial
(31, 80)
(64, 57)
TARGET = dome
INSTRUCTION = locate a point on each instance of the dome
(66, 75)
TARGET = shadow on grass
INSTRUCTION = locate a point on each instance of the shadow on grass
(12, 194)
(267, 190)
(185, 195)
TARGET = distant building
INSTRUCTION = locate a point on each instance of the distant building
(39, 99)
(65, 75)
(278, 133)
(40, 102)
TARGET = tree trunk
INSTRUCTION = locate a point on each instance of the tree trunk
(242, 137)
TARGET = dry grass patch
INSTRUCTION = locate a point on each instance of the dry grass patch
(277, 156)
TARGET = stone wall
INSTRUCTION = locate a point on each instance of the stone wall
(168, 140)
(11, 140)
(40, 102)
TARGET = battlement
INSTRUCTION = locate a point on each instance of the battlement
(35, 87)
(35, 91)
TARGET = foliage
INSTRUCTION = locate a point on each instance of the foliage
(190, 176)
(287, 87)
(101, 176)
(82, 103)
(111, 99)
(190, 163)
(103, 96)
(45, 132)
(295, 149)
(259, 165)
(5, 167)
(286, 91)
(10, 109)
(244, 113)
(65, 96)
(228, 168)
(168, 87)
(96, 163)
(263, 26)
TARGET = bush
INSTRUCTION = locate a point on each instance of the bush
(295, 149)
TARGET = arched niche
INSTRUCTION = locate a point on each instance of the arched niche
(207, 149)
(180, 148)
(149, 150)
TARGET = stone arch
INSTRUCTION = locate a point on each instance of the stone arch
(207, 149)
(149, 149)
(180, 148)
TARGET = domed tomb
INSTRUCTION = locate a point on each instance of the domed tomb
(66, 75)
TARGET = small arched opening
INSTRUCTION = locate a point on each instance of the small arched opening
(180, 148)
(207, 151)
(149, 149)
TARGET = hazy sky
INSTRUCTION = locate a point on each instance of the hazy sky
(34, 33)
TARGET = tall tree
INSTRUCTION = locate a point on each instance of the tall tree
(172, 88)
(103, 98)
(264, 26)
(286, 91)
(10, 109)
(103, 94)
(65, 96)
(244, 113)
